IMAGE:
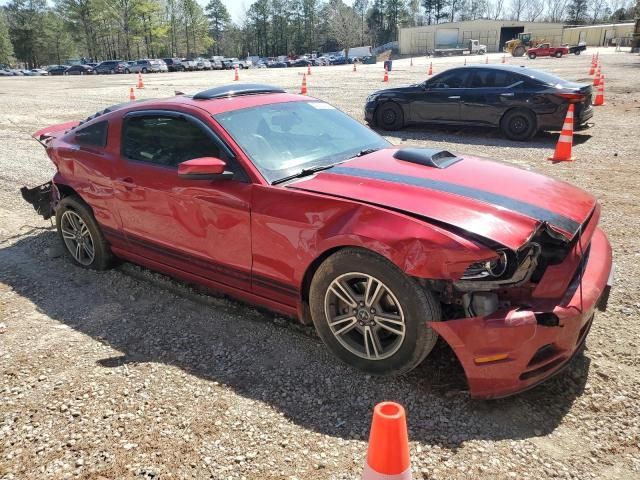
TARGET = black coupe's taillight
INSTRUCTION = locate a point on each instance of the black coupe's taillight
(571, 97)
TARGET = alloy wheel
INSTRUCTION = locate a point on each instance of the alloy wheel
(77, 238)
(365, 316)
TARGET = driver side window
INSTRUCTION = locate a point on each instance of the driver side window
(454, 79)
(166, 140)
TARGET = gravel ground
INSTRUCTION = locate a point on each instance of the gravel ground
(128, 374)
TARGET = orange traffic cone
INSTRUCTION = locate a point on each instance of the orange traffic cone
(132, 96)
(486, 59)
(309, 69)
(236, 76)
(600, 95)
(596, 79)
(140, 83)
(592, 70)
(386, 75)
(303, 89)
(354, 67)
(504, 59)
(593, 59)
(430, 72)
(388, 453)
(565, 140)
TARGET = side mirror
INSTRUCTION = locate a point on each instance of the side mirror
(204, 168)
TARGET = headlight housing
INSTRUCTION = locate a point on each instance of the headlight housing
(372, 97)
(490, 269)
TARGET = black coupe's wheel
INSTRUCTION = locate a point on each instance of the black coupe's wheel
(577, 52)
(518, 124)
(81, 236)
(370, 314)
(389, 116)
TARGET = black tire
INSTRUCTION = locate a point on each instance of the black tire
(518, 51)
(417, 307)
(532, 56)
(103, 258)
(127, 71)
(518, 124)
(389, 116)
(577, 52)
(557, 54)
(144, 70)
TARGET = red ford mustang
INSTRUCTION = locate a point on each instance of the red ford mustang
(283, 201)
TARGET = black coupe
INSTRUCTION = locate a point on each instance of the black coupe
(519, 101)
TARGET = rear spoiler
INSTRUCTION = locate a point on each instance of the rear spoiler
(47, 133)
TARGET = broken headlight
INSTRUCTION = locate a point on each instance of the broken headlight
(487, 270)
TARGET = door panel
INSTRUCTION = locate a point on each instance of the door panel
(199, 226)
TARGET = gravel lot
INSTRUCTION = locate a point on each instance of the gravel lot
(128, 374)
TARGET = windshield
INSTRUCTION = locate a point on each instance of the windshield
(285, 138)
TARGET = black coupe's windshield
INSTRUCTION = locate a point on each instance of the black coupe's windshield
(286, 139)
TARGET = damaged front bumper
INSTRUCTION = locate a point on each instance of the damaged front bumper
(529, 348)
(42, 198)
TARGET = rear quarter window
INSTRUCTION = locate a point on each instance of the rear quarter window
(94, 135)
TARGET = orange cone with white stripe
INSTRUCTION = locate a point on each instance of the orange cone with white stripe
(237, 75)
(565, 141)
(596, 79)
(430, 72)
(599, 101)
(140, 83)
(303, 89)
(132, 96)
(388, 453)
(592, 70)
(386, 75)
(309, 69)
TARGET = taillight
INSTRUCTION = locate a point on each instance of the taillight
(571, 97)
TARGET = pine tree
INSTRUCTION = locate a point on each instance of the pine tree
(577, 11)
(6, 47)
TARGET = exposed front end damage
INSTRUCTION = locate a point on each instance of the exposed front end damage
(514, 332)
(43, 198)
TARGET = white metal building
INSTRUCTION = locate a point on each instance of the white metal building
(599, 35)
(492, 33)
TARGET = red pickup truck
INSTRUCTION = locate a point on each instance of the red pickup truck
(546, 50)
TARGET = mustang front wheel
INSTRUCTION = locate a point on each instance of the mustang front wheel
(370, 314)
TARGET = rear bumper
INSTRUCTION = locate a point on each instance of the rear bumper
(535, 351)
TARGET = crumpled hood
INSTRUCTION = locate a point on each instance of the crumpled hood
(487, 198)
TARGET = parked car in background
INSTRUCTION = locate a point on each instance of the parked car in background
(546, 50)
(278, 64)
(111, 67)
(384, 249)
(203, 63)
(57, 69)
(145, 66)
(519, 101)
(161, 64)
(174, 64)
(80, 70)
(37, 72)
(189, 64)
(301, 62)
(216, 62)
(340, 60)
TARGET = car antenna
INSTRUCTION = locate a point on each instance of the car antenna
(44, 145)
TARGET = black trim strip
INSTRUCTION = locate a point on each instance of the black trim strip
(213, 267)
(524, 208)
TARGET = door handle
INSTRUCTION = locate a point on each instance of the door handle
(455, 97)
(506, 94)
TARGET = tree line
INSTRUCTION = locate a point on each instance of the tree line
(35, 32)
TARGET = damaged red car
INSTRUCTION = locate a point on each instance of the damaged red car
(285, 202)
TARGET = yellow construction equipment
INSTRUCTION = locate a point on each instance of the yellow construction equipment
(518, 46)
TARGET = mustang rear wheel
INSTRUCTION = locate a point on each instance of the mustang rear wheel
(370, 314)
(389, 116)
(80, 235)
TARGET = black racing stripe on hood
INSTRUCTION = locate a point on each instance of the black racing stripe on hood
(542, 214)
